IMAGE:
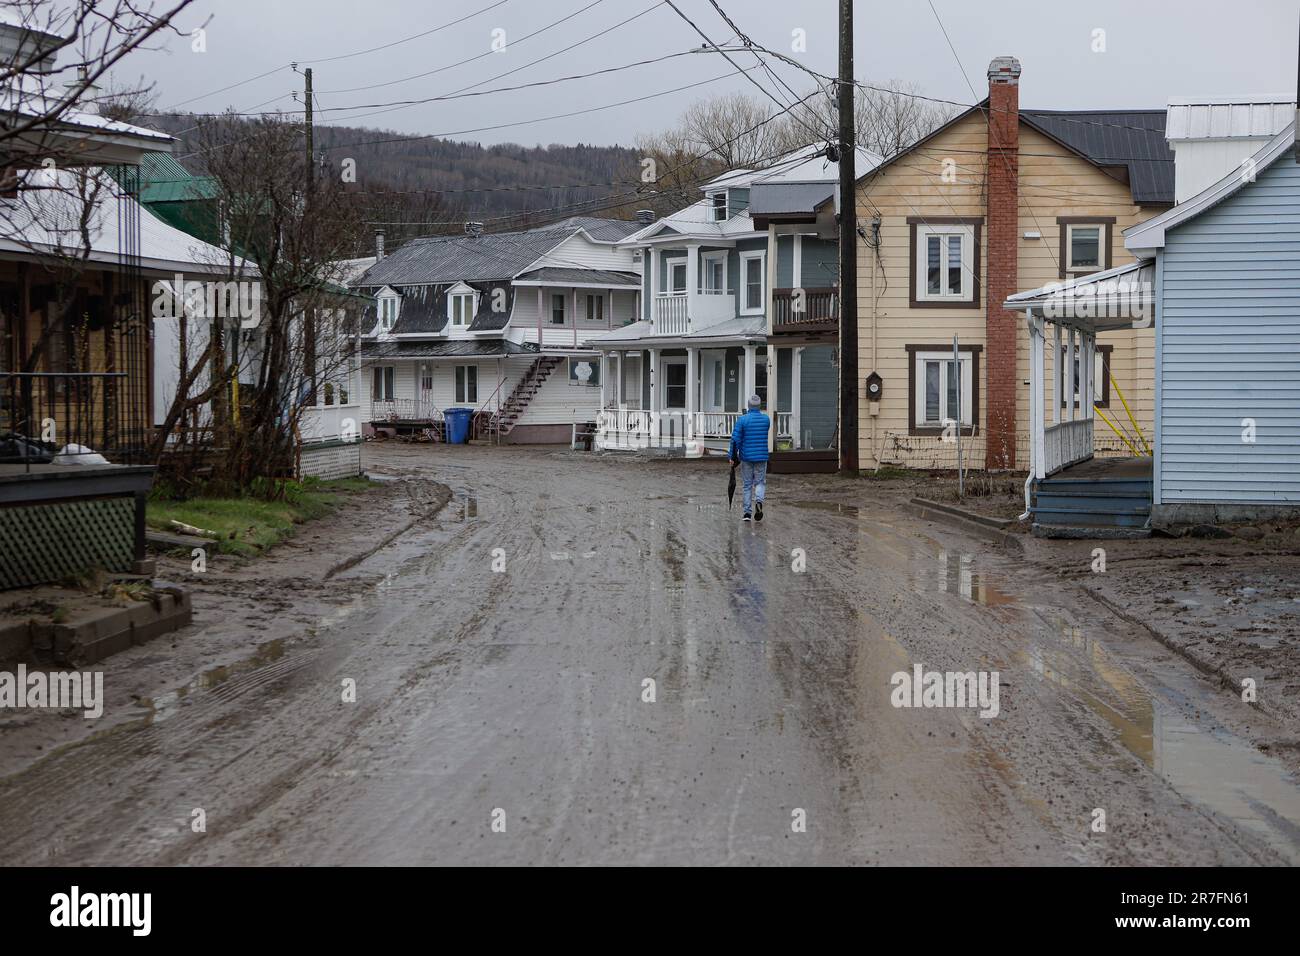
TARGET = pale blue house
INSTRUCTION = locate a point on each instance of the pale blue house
(1226, 288)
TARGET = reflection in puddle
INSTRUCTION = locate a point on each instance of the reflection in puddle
(957, 575)
(467, 508)
(165, 705)
(832, 506)
(1200, 759)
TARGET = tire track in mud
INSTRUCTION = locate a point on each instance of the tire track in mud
(521, 689)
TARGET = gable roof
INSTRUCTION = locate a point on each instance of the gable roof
(1134, 139)
(500, 255)
(1146, 237)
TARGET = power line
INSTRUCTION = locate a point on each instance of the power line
(343, 56)
(478, 56)
(785, 108)
(540, 119)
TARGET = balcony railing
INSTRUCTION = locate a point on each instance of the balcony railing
(671, 315)
(72, 418)
(404, 410)
(805, 310)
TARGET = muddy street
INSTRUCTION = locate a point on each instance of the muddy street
(591, 660)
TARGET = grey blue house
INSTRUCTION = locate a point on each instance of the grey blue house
(738, 296)
(1227, 355)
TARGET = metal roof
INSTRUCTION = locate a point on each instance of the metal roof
(422, 310)
(487, 319)
(1134, 139)
(459, 348)
(483, 258)
(1215, 118)
(775, 199)
(590, 276)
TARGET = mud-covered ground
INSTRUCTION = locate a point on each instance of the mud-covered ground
(501, 653)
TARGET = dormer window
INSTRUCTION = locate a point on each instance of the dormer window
(719, 201)
(461, 308)
(387, 312)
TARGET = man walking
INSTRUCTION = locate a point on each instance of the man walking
(749, 449)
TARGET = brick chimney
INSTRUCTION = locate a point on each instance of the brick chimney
(1001, 326)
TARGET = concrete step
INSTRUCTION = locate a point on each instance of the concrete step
(1091, 519)
(1125, 486)
(1087, 501)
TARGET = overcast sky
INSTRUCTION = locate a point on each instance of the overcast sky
(1154, 50)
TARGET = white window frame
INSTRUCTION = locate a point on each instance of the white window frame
(564, 309)
(716, 209)
(598, 314)
(387, 312)
(745, 258)
(384, 375)
(1068, 252)
(673, 266)
(968, 265)
(461, 385)
(467, 315)
(707, 260)
(967, 389)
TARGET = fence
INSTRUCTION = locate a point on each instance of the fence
(69, 416)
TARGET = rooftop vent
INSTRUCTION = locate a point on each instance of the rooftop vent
(473, 228)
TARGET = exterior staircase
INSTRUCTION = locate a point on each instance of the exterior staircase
(1095, 506)
(524, 392)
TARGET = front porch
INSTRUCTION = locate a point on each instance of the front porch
(689, 398)
(1068, 492)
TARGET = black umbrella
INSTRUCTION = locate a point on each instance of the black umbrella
(731, 486)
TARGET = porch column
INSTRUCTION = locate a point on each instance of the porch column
(1069, 378)
(773, 394)
(692, 281)
(653, 256)
(603, 371)
(1056, 374)
(654, 380)
(1037, 418)
(747, 383)
(618, 382)
(541, 311)
(692, 390)
(769, 275)
(1085, 373)
(796, 404)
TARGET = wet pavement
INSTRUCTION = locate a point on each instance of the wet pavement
(501, 659)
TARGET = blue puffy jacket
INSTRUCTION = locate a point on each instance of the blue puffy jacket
(749, 437)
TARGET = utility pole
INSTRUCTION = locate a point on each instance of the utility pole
(311, 158)
(848, 250)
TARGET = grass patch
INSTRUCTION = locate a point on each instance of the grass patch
(249, 524)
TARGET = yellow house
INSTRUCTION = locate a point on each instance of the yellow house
(996, 201)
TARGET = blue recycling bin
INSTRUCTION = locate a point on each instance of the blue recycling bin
(458, 424)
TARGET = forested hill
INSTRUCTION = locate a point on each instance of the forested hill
(475, 181)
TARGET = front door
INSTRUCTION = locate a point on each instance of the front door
(425, 407)
(713, 385)
(674, 384)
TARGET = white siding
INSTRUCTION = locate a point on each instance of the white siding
(579, 252)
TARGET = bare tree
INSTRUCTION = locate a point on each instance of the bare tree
(292, 226)
(892, 116)
(39, 97)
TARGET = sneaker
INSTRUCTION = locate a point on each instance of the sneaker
(746, 517)
(758, 511)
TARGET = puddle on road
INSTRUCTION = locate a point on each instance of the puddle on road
(466, 507)
(1201, 759)
(166, 705)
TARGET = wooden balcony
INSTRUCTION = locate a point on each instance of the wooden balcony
(800, 311)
